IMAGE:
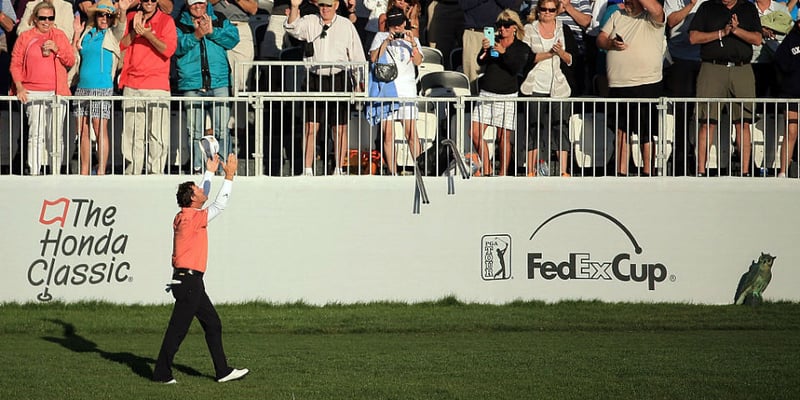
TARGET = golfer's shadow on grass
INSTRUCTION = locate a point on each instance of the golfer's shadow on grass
(141, 366)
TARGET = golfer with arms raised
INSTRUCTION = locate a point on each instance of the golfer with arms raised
(189, 259)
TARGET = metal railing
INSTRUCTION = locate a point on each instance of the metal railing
(267, 130)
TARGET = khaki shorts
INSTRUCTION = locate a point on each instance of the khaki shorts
(720, 81)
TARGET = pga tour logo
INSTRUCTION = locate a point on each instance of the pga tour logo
(79, 247)
(495, 257)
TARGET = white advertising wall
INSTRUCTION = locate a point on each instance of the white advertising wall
(356, 239)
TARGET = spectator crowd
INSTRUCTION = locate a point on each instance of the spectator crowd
(620, 49)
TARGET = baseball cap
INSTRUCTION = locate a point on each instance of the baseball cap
(326, 2)
(395, 17)
(191, 2)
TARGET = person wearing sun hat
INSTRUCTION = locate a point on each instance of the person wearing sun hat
(98, 58)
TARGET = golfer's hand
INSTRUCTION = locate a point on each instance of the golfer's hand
(212, 164)
(230, 166)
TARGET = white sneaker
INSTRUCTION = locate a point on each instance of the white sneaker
(781, 175)
(234, 375)
(169, 382)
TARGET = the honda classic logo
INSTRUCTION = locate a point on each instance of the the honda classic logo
(78, 247)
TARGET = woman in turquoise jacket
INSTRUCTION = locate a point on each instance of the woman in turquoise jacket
(202, 63)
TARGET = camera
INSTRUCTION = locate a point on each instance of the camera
(398, 35)
(308, 49)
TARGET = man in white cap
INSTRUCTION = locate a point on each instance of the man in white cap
(330, 38)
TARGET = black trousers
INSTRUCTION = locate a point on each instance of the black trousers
(547, 125)
(680, 80)
(191, 301)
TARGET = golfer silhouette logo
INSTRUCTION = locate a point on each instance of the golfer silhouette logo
(495, 257)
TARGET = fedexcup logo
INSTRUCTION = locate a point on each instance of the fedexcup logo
(580, 264)
(79, 247)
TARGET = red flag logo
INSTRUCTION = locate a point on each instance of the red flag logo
(58, 209)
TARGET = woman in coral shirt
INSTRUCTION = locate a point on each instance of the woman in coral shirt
(39, 65)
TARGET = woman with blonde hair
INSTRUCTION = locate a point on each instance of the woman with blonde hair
(39, 65)
(499, 80)
(99, 51)
(550, 76)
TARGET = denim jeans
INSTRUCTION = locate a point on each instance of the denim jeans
(218, 112)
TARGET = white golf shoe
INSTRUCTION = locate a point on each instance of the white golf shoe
(234, 375)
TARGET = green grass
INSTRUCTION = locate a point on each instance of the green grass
(437, 350)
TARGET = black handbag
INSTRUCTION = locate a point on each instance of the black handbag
(385, 72)
(435, 161)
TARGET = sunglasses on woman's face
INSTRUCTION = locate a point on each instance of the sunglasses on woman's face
(505, 24)
(550, 10)
(149, 1)
(109, 16)
(46, 17)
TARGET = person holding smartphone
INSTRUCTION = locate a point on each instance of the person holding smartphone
(478, 14)
(499, 81)
(634, 40)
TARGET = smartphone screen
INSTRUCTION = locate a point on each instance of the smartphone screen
(618, 37)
